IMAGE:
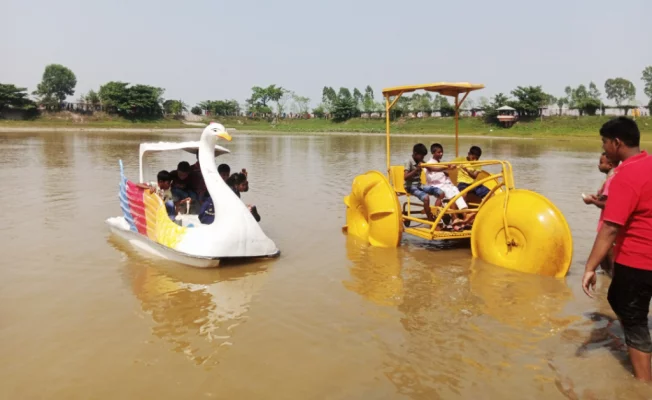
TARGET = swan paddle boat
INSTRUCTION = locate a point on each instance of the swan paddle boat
(513, 228)
(145, 223)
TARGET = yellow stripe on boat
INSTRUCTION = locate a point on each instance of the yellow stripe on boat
(160, 228)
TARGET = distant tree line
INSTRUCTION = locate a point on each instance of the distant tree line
(143, 101)
(121, 98)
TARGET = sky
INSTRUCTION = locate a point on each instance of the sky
(199, 50)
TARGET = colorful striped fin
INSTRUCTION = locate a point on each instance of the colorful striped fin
(124, 202)
(131, 203)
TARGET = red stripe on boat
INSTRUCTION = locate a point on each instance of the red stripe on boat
(137, 206)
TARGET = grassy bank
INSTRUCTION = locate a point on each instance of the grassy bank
(548, 127)
(98, 120)
(554, 127)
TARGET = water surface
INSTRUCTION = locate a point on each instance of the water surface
(83, 316)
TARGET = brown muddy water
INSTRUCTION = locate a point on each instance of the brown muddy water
(82, 316)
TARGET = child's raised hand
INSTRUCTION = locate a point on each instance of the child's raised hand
(590, 199)
(244, 171)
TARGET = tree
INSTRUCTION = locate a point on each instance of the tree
(144, 101)
(401, 108)
(301, 103)
(92, 99)
(14, 97)
(319, 111)
(282, 101)
(345, 106)
(278, 95)
(368, 102)
(58, 82)
(620, 90)
(561, 102)
(529, 100)
(344, 109)
(113, 95)
(328, 98)
(594, 93)
(196, 110)
(441, 104)
(584, 100)
(421, 102)
(174, 107)
(357, 97)
(261, 96)
(647, 79)
(220, 107)
(135, 101)
(500, 100)
(344, 94)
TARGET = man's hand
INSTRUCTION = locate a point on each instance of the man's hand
(588, 282)
(589, 199)
(186, 200)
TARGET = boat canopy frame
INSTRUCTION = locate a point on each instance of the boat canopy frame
(190, 147)
(451, 89)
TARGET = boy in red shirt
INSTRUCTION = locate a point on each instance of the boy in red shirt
(627, 220)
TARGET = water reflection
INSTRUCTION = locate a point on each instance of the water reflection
(520, 300)
(194, 310)
(375, 273)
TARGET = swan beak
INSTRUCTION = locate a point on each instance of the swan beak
(224, 135)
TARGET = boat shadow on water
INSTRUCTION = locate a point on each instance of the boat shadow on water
(194, 310)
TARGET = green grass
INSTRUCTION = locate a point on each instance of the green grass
(548, 127)
(98, 120)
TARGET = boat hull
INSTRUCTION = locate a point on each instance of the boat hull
(119, 227)
(145, 245)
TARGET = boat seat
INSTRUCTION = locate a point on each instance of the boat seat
(397, 179)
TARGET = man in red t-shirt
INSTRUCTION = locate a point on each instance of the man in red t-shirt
(627, 222)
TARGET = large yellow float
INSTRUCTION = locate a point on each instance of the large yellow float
(514, 228)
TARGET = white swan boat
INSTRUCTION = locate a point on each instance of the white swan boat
(145, 223)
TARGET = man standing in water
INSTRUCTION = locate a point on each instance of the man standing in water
(628, 223)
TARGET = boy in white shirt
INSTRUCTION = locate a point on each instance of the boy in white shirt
(437, 176)
(162, 187)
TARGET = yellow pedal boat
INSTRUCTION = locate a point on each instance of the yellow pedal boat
(514, 228)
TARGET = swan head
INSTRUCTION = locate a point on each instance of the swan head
(217, 130)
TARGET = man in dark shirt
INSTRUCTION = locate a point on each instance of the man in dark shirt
(181, 184)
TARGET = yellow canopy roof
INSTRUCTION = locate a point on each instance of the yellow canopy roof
(445, 88)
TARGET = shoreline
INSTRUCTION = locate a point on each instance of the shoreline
(253, 132)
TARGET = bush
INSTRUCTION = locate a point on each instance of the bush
(196, 110)
(344, 109)
(319, 111)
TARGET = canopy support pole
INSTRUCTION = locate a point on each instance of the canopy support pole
(458, 104)
(388, 108)
(457, 125)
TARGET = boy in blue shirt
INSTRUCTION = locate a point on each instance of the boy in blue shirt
(412, 178)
